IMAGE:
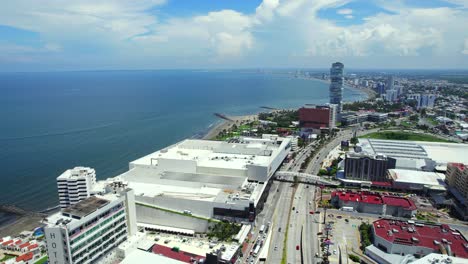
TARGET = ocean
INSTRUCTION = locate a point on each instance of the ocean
(103, 119)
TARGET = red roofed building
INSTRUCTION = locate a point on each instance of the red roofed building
(374, 203)
(25, 257)
(314, 118)
(418, 239)
(176, 254)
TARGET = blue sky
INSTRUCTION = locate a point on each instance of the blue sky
(158, 34)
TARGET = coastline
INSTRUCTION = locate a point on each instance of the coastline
(225, 124)
(371, 94)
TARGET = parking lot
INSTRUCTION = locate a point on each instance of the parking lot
(344, 234)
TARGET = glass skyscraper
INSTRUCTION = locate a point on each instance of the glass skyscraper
(336, 85)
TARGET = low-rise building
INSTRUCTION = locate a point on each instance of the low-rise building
(374, 203)
(422, 181)
(418, 239)
(377, 117)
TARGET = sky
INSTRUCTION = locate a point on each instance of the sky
(50, 35)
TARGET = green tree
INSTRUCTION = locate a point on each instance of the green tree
(414, 118)
(354, 140)
(354, 258)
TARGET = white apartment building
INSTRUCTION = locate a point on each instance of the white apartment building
(90, 230)
(75, 185)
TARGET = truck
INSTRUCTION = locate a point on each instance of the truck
(262, 228)
(347, 208)
(256, 250)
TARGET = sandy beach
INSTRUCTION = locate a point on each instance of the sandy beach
(371, 94)
(225, 124)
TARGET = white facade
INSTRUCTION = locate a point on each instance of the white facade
(90, 230)
(255, 158)
(75, 185)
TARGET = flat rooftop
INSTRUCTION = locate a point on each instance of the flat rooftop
(236, 154)
(153, 182)
(85, 207)
(417, 177)
(76, 172)
(79, 210)
(189, 246)
(432, 236)
(440, 152)
(374, 198)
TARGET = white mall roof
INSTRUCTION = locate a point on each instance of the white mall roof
(152, 182)
(235, 155)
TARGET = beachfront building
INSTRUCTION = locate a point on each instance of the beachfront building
(314, 118)
(90, 230)
(183, 186)
(75, 185)
(367, 167)
(336, 85)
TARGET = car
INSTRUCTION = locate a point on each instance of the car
(316, 254)
(297, 247)
(339, 216)
(311, 212)
(279, 229)
(276, 248)
(346, 220)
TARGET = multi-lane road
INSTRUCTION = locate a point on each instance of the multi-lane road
(292, 209)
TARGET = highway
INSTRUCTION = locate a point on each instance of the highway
(280, 222)
(288, 209)
(315, 164)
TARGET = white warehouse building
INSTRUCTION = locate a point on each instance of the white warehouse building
(254, 158)
(182, 185)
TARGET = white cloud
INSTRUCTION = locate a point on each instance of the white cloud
(345, 11)
(277, 33)
(221, 35)
(465, 48)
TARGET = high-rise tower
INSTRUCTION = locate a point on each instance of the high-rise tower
(336, 85)
(75, 185)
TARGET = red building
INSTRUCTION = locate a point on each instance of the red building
(315, 117)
